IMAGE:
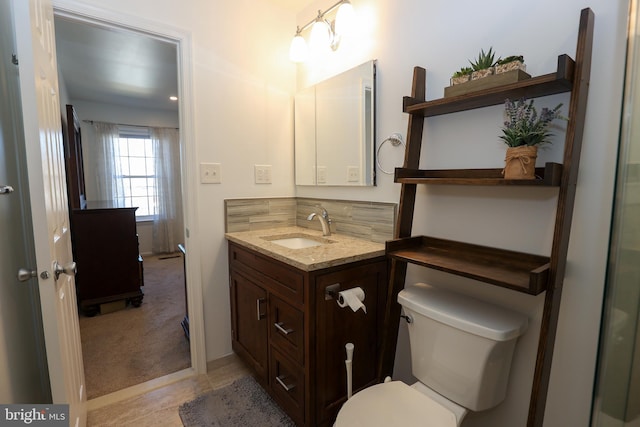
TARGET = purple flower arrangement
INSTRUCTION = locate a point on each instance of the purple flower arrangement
(524, 126)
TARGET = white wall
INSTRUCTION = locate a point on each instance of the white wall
(243, 85)
(441, 38)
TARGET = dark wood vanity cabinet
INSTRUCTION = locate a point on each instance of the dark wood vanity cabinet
(292, 333)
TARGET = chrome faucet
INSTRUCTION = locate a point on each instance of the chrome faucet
(324, 219)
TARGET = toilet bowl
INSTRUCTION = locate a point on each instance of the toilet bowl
(397, 404)
(461, 351)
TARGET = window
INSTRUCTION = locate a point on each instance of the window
(137, 165)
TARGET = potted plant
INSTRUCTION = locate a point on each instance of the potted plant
(510, 63)
(483, 65)
(461, 76)
(524, 130)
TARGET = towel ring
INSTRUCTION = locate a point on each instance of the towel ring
(394, 139)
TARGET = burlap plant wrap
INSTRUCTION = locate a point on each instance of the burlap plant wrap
(520, 162)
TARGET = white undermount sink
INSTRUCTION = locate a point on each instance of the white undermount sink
(297, 241)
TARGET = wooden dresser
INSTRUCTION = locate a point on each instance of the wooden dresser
(105, 246)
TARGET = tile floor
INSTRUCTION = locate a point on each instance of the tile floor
(159, 407)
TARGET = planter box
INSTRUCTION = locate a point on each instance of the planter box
(481, 74)
(460, 79)
(488, 82)
(510, 66)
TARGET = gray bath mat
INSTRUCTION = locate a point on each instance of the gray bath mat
(243, 403)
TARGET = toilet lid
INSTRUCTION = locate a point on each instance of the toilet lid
(393, 404)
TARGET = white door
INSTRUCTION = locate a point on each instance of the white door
(22, 361)
(35, 39)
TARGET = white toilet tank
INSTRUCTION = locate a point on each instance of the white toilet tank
(461, 347)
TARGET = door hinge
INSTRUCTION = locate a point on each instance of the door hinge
(14, 59)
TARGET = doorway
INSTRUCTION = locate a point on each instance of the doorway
(80, 18)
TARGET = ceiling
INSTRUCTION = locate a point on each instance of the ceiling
(116, 66)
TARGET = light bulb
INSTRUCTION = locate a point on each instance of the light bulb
(345, 19)
(298, 49)
(320, 38)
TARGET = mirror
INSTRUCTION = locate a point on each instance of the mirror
(335, 130)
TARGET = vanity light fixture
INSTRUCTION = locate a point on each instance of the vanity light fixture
(298, 49)
(345, 19)
(173, 98)
(322, 37)
(325, 34)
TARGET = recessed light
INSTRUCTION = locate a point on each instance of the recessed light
(173, 98)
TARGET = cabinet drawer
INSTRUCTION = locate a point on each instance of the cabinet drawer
(286, 325)
(287, 385)
(277, 277)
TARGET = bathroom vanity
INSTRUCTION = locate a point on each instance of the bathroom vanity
(286, 322)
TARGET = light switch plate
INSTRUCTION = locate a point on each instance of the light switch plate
(262, 174)
(210, 173)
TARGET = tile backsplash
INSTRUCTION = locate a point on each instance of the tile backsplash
(258, 214)
(365, 220)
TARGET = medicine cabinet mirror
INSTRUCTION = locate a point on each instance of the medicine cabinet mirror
(335, 130)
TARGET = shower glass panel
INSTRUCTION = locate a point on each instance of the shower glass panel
(617, 394)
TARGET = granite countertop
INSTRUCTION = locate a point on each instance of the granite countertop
(337, 249)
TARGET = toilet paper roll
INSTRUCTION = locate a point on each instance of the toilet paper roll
(353, 298)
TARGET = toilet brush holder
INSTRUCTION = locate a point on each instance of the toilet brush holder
(349, 367)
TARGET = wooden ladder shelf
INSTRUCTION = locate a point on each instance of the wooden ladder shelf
(531, 274)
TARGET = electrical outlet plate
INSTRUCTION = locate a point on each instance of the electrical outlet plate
(353, 174)
(210, 173)
(321, 175)
(262, 174)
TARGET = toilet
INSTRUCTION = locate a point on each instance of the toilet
(461, 351)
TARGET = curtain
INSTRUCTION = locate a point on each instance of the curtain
(107, 165)
(167, 224)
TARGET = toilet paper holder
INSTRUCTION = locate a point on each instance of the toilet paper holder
(352, 297)
(332, 291)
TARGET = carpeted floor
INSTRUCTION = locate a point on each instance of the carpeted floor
(241, 404)
(135, 345)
